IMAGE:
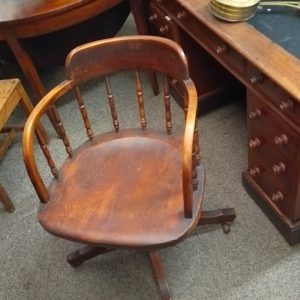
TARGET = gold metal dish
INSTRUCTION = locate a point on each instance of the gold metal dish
(241, 10)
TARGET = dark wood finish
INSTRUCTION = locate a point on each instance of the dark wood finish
(159, 275)
(76, 258)
(290, 230)
(106, 194)
(216, 85)
(5, 200)
(273, 97)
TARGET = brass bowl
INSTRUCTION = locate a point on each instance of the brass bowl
(236, 12)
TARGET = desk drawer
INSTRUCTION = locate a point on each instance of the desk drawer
(280, 195)
(162, 23)
(281, 100)
(231, 59)
(266, 127)
(273, 158)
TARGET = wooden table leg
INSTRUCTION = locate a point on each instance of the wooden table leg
(137, 8)
(4, 199)
(28, 107)
(28, 69)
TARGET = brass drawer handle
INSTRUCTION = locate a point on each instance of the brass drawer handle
(255, 171)
(277, 196)
(286, 104)
(181, 15)
(221, 49)
(153, 17)
(254, 114)
(256, 79)
(279, 168)
(281, 140)
(164, 29)
(254, 143)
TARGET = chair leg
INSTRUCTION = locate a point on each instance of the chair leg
(159, 275)
(218, 216)
(4, 199)
(76, 258)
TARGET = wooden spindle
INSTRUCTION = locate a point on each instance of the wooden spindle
(62, 132)
(48, 157)
(196, 147)
(139, 94)
(112, 106)
(84, 114)
(167, 105)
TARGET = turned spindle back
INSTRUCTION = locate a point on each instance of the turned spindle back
(100, 59)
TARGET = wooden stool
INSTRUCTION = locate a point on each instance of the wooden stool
(11, 93)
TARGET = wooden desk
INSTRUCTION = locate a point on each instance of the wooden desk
(272, 78)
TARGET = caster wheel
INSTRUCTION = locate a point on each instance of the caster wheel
(226, 227)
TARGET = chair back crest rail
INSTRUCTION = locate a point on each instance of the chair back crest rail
(105, 57)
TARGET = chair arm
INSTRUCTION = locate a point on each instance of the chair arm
(187, 149)
(29, 129)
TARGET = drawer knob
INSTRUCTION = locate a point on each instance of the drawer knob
(181, 15)
(256, 79)
(254, 143)
(277, 196)
(281, 140)
(254, 114)
(164, 29)
(286, 104)
(279, 168)
(255, 171)
(153, 17)
(221, 49)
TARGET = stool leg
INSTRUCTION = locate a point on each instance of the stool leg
(4, 199)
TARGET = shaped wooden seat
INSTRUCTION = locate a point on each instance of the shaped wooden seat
(149, 158)
(136, 188)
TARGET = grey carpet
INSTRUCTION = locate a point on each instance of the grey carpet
(252, 262)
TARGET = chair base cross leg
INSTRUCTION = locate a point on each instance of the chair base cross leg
(218, 216)
(159, 275)
(78, 257)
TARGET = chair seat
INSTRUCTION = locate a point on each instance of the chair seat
(128, 198)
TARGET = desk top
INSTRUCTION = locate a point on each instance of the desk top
(281, 25)
(274, 61)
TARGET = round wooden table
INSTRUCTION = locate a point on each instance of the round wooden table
(21, 19)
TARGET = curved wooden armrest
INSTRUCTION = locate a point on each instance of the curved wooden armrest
(28, 154)
(187, 150)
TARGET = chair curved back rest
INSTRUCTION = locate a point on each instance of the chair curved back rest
(104, 57)
(113, 55)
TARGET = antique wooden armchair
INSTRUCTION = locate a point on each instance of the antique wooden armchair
(137, 173)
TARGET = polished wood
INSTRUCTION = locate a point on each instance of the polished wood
(273, 99)
(159, 275)
(112, 104)
(108, 191)
(76, 258)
